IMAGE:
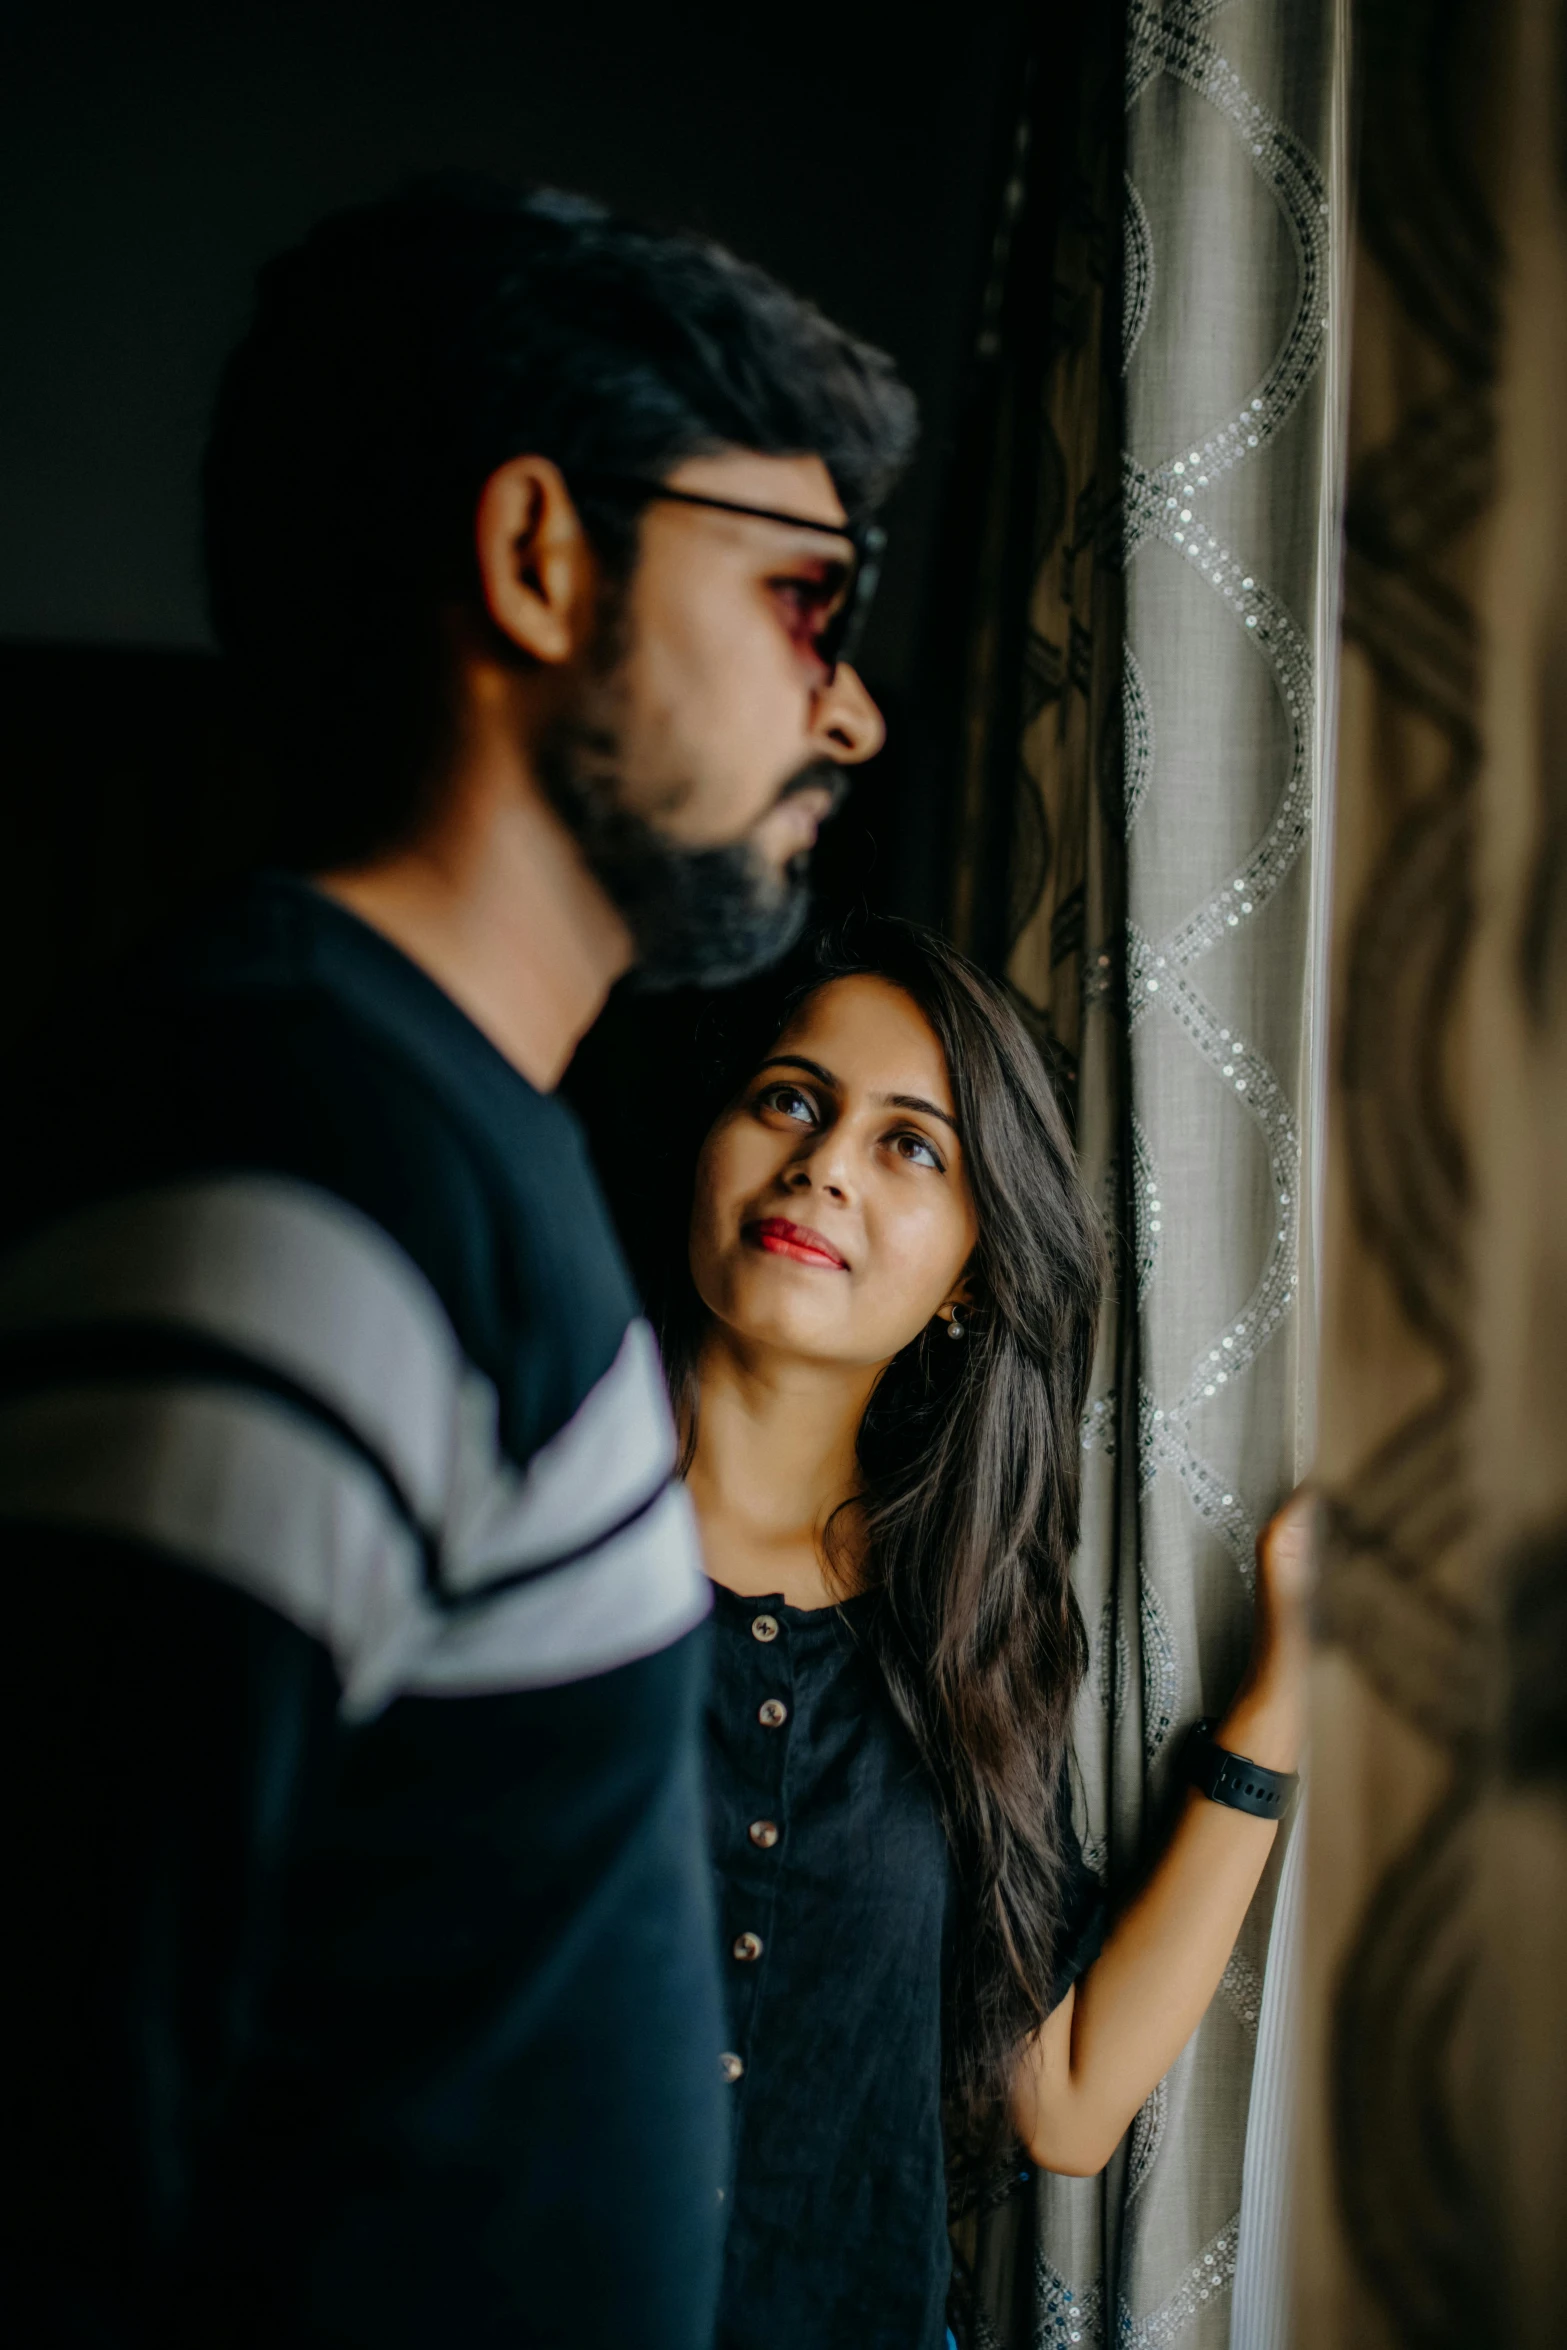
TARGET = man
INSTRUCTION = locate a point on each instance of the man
(357, 1624)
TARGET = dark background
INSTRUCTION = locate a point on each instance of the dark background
(151, 157)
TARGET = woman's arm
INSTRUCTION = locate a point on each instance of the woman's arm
(1116, 2034)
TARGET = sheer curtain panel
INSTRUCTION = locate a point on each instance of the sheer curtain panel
(1142, 787)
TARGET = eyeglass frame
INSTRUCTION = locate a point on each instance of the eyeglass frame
(842, 631)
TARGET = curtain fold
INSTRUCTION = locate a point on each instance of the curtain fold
(1434, 2153)
(1136, 822)
(1261, 2308)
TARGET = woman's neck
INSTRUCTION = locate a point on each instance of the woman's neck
(775, 1457)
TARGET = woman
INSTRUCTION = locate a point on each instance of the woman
(879, 1364)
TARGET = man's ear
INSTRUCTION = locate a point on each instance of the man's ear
(537, 570)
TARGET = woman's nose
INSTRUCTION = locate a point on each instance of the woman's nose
(819, 1172)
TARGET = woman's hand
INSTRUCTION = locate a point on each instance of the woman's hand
(1085, 2073)
(1267, 1718)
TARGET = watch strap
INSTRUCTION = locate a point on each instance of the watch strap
(1234, 1779)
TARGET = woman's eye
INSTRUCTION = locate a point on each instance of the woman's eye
(917, 1151)
(789, 1101)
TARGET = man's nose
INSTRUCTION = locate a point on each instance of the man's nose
(845, 722)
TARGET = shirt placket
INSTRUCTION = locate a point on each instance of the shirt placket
(752, 1908)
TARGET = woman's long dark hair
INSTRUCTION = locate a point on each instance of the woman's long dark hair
(970, 1459)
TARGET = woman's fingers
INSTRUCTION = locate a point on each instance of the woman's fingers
(1286, 1550)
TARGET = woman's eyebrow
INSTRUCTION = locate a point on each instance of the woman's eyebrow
(914, 1101)
(798, 1061)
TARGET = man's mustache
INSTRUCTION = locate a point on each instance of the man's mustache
(818, 775)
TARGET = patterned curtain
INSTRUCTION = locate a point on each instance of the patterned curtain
(1435, 2151)
(1149, 677)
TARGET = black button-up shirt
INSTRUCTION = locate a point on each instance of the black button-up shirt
(835, 1905)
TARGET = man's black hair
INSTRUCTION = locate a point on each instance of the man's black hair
(400, 355)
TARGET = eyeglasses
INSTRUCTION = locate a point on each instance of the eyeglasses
(843, 622)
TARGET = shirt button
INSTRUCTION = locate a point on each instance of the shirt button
(747, 1946)
(772, 1713)
(764, 1627)
(731, 2067)
(764, 1833)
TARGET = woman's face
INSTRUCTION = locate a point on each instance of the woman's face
(832, 1215)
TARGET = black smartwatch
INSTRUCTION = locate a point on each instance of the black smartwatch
(1230, 1778)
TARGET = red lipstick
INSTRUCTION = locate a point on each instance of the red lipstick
(780, 1238)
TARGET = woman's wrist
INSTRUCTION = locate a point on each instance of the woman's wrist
(1264, 1724)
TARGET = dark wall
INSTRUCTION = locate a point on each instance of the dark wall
(151, 156)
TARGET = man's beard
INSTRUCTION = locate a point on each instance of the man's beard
(697, 917)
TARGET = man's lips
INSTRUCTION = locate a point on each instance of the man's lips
(794, 824)
(780, 1238)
